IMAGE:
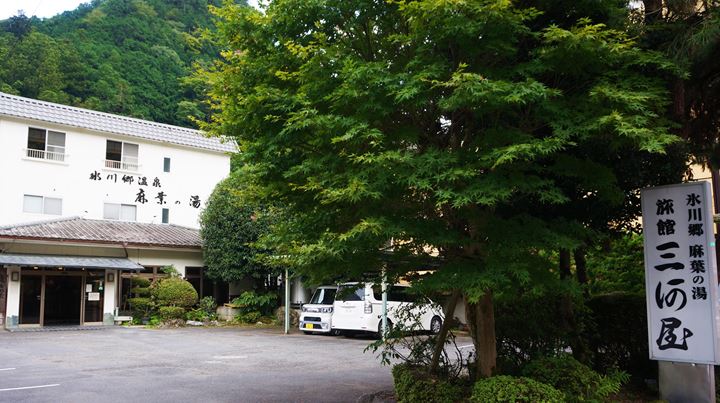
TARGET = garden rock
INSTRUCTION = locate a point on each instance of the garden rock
(194, 323)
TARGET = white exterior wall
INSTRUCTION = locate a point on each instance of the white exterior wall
(193, 172)
(110, 296)
(13, 296)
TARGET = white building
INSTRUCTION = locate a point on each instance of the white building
(88, 196)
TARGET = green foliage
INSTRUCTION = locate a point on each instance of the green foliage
(473, 136)
(617, 266)
(577, 381)
(174, 291)
(391, 120)
(413, 385)
(249, 317)
(171, 271)
(141, 306)
(508, 389)
(204, 311)
(251, 302)
(115, 56)
(229, 227)
(171, 312)
(530, 325)
(207, 305)
(620, 341)
(140, 282)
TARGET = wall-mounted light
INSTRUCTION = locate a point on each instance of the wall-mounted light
(110, 277)
(15, 276)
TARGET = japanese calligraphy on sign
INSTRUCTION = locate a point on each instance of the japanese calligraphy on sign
(141, 196)
(681, 273)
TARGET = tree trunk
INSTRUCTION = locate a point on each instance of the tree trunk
(481, 320)
(580, 265)
(564, 264)
(442, 336)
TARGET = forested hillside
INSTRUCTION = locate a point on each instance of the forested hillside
(120, 56)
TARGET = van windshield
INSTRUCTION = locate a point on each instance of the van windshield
(350, 293)
(323, 296)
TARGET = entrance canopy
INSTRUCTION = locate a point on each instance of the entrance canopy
(69, 262)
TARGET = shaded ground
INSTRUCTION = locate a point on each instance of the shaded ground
(186, 365)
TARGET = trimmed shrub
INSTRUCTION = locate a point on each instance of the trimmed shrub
(140, 304)
(174, 291)
(171, 312)
(414, 384)
(140, 282)
(620, 341)
(578, 381)
(503, 388)
(531, 326)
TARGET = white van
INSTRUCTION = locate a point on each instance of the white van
(359, 308)
(316, 315)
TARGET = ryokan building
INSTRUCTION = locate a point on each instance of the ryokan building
(89, 198)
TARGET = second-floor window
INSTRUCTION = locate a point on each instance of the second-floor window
(45, 144)
(42, 205)
(122, 212)
(121, 155)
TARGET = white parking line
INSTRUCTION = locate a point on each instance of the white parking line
(30, 387)
(6, 369)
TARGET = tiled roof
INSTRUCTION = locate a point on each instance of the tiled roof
(77, 229)
(15, 106)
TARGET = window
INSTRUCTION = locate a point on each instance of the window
(324, 296)
(166, 164)
(350, 293)
(42, 205)
(121, 155)
(165, 216)
(45, 144)
(122, 212)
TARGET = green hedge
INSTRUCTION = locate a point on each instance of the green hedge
(528, 326)
(171, 312)
(415, 385)
(503, 388)
(620, 340)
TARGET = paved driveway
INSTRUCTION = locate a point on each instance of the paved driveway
(186, 365)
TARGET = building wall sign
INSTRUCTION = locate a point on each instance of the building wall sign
(681, 273)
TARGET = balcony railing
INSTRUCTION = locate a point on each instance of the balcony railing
(126, 165)
(45, 155)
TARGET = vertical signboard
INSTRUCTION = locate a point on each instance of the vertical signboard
(680, 273)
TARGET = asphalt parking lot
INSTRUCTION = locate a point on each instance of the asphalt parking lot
(186, 365)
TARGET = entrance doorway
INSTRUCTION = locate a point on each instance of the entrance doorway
(63, 299)
(30, 297)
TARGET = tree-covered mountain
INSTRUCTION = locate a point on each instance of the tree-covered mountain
(120, 56)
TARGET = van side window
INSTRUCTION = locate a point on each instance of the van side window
(350, 294)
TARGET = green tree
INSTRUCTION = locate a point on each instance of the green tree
(432, 126)
(229, 227)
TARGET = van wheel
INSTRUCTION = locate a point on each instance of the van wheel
(335, 333)
(389, 328)
(435, 325)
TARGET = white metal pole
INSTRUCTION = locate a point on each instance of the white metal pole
(287, 301)
(384, 305)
